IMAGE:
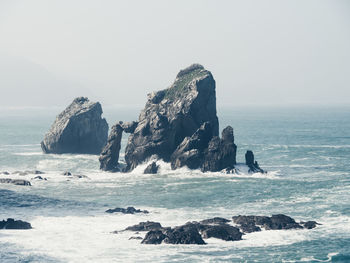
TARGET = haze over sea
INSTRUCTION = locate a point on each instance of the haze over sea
(304, 149)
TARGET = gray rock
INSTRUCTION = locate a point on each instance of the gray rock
(152, 168)
(137, 238)
(171, 115)
(129, 127)
(221, 153)
(145, 226)
(154, 237)
(190, 152)
(10, 223)
(14, 181)
(39, 178)
(309, 224)
(78, 129)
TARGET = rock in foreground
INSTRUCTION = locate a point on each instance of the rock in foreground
(78, 129)
(10, 223)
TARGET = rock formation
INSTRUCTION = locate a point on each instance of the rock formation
(78, 129)
(14, 181)
(178, 125)
(110, 153)
(152, 168)
(172, 114)
(253, 165)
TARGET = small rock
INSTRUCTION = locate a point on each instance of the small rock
(39, 178)
(138, 237)
(128, 210)
(67, 173)
(223, 231)
(151, 168)
(309, 224)
(10, 223)
(145, 226)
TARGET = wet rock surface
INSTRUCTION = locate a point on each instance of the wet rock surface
(10, 223)
(152, 168)
(15, 181)
(78, 129)
(128, 210)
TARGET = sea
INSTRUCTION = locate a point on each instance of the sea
(305, 149)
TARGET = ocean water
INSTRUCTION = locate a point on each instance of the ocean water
(306, 152)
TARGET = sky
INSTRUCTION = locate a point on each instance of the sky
(263, 52)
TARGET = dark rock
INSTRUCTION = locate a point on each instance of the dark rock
(186, 234)
(110, 154)
(39, 178)
(79, 176)
(190, 152)
(309, 224)
(78, 129)
(138, 237)
(215, 220)
(171, 115)
(151, 168)
(249, 228)
(269, 223)
(14, 181)
(253, 165)
(6, 173)
(222, 231)
(129, 127)
(128, 210)
(145, 226)
(221, 153)
(10, 223)
(154, 237)
(67, 173)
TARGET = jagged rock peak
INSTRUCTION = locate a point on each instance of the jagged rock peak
(190, 69)
(78, 129)
(172, 114)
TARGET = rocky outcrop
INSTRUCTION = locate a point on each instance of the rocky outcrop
(221, 153)
(14, 181)
(145, 226)
(178, 125)
(110, 154)
(222, 231)
(253, 165)
(152, 168)
(78, 129)
(172, 114)
(10, 223)
(128, 210)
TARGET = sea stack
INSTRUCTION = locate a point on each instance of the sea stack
(78, 129)
(172, 114)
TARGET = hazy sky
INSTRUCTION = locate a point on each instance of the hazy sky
(260, 52)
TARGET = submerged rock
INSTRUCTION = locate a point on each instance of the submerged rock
(128, 210)
(110, 154)
(78, 129)
(10, 223)
(171, 115)
(14, 181)
(151, 168)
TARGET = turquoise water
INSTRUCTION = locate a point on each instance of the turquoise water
(305, 150)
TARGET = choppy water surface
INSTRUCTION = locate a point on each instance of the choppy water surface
(305, 150)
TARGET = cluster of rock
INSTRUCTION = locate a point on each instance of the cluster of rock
(78, 129)
(10, 223)
(217, 227)
(128, 210)
(178, 125)
(14, 181)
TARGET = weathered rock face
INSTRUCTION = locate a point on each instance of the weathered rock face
(110, 153)
(78, 129)
(221, 153)
(190, 152)
(172, 114)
